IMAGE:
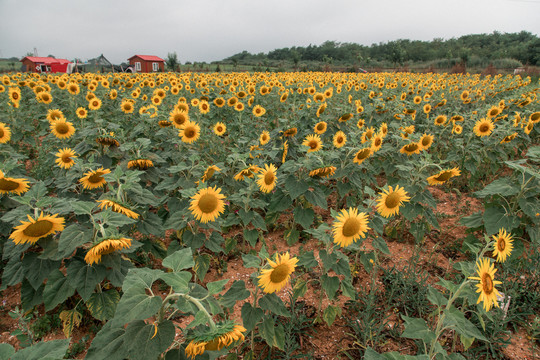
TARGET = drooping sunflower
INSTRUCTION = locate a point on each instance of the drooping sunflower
(13, 185)
(274, 279)
(140, 164)
(259, 111)
(503, 245)
(64, 158)
(362, 155)
(425, 141)
(321, 109)
(509, 138)
(62, 129)
(118, 208)
(178, 118)
(443, 176)
(267, 178)
(486, 286)
(248, 172)
(264, 138)
(410, 149)
(164, 123)
(483, 127)
(94, 178)
(34, 229)
(5, 133)
(54, 114)
(390, 201)
(189, 132)
(223, 335)
(209, 172)
(320, 128)
(326, 171)
(535, 117)
(104, 247)
(290, 132)
(207, 204)
(345, 117)
(349, 226)
(528, 128)
(313, 142)
(339, 139)
(108, 141)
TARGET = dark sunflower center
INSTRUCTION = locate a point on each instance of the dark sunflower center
(440, 120)
(444, 176)
(320, 127)
(484, 128)
(212, 345)
(411, 147)
(425, 141)
(179, 119)
(313, 144)
(66, 158)
(8, 185)
(392, 200)
(362, 154)
(38, 229)
(62, 128)
(208, 203)
(279, 273)
(269, 178)
(351, 227)
(1, 133)
(219, 129)
(377, 142)
(501, 244)
(487, 284)
(96, 178)
(189, 132)
(340, 140)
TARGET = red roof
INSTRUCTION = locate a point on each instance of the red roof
(46, 60)
(148, 58)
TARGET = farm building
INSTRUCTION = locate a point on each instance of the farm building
(44, 64)
(147, 63)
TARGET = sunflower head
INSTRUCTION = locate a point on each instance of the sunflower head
(483, 127)
(104, 247)
(62, 129)
(362, 155)
(503, 245)
(207, 204)
(189, 132)
(313, 142)
(5, 133)
(267, 178)
(275, 278)
(264, 138)
(486, 283)
(391, 200)
(204, 338)
(326, 171)
(443, 176)
(13, 185)
(94, 178)
(34, 229)
(339, 139)
(349, 227)
(65, 158)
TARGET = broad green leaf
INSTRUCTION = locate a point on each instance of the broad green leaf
(272, 333)
(50, 350)
(214, 242)
(236, 292)
(348, 289)
(304, 217)
(472, 221)
(330, 314)
(457, 320)
(216, 286)
(151, 224)
(102, 305)
(179, 281)
(316, 197)
(417, 329)
(37, 269)
(202, 264)
(274, 304)
(502, 186)
(379, 244)
(13, 272)
(330, 285)
(436, 297)
(251, 316)
(136, 305)
(84, 277)
(148, 341)
(328, 259)
(71, 319)
(307, 260)
(251, 236)
(292, 236)
(83, 207)
(180, 260)
(57, 289)
(109, 344)
(300, 288)
(140, 278)
(295, 187)
(31, 297)
(6, 351)
(496, 218)
(251, 261)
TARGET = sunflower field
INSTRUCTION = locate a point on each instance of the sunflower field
(269, 215)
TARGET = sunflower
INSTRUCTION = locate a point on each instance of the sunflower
(464, 95)
(326, 171)
(339, 139)
(127, 107)
(425, 141)
(94, 104)
(509, 138)
(264, 138)
(178, 118)
(321, 109)
(527, 130)
(440, 120)
(164, 123)
(54, 114)
(390, 200)
(239, 106)
(204, 107)
(107, 141)
(5, 133)
(259, 111)
(94, 178)
(284, 97)
(362, 155)
(209, 172)
(427, 109)
(383, 130)
(376, 142)
(486, 287)
(313, 142)
(116, 207)
(349, 227)
(503, 245)
(104, 247)
(34, 229)
(267, 178)
(190, 132)
(62, 129)
(494, 111)
(13, 185)
(443, 176)
(140, 164)
(290, 132)
(207, 204)
(81, 112)
(219, 102)
(535, 117)
(64, 158)
(457, 129)
(44, 97)
(320, 128)
(223, 335)
(15, 96)
(412, 148)
(483, 127)
(345, 117)
(417, 99)
(272, 280)
(360, 123)
(248, 172)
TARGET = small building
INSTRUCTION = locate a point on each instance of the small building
(45, 64)
(147, 63)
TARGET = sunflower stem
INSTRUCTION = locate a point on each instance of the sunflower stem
(199, 306)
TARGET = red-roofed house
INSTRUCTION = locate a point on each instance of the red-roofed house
(147, 63)
(45, 64)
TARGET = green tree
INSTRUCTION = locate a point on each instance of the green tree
(172, 61)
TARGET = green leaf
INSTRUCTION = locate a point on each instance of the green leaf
(214, 242)
(151, 224)
(279, 202)
(348, 289)
(84, 277)
(274, 304)
(251, 316)
(102, 305)
(304, 217)
(136, 305)
(57, 289)
(236, 292)
(202, 264)
(379, 244)
(71, 238)
(300, 288)
(6, 351)
(436, 297)
(37, 269)
(295, 187)
(307, 260)
(330, 285)
(330, 314)
(54, 349)
(13, 272)
(273, 334)
(251, 261)
(457, 320)
(502, 186)
(83, 207)
(109, 344)
(530, 206)
(31, 297)
(371, 354)
(473, 221)
(251, 236)
(466, 341)
(496, 218)
(147, 340)
(316, 197)
(328, 259)
(180, 260)
(178, 281)
(216, 286)
(417, 329)
(200, 319)
(292, 236)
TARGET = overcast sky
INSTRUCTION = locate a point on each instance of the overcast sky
(207, 30)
